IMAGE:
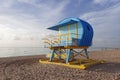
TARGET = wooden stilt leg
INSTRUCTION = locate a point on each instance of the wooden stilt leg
(52, 55)
(68, 55)
(86, 53)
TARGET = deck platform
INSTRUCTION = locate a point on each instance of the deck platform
(77, 63)
(69, 47)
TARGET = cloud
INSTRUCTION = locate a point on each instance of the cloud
(21, 24)
(103, 2)
(106, 26)
(6, 3)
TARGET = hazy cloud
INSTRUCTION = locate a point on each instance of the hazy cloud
(106, 26)
(103, 2)
(20, 23)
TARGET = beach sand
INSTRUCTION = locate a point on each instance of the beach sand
(28, 68)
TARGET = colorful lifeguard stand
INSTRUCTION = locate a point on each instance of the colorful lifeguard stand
(73, 34)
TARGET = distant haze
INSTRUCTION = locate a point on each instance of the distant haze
(23, 23)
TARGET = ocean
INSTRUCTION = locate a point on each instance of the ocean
(26, 51)
(22, 51)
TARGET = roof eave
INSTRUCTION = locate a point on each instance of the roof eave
(56, 27)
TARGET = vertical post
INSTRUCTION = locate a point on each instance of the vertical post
(86, 53)
(60, 53)
(52, 55)
(68, 55)
(77, 30)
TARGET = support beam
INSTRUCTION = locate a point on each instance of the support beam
(86, 53)
(52, 55)
(59, 54)
(68, 55)
(78, 53)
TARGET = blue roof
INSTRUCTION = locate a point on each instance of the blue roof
(64, 22)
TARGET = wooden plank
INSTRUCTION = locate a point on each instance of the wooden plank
(69, 47)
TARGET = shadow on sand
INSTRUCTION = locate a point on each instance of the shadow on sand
(106, 67)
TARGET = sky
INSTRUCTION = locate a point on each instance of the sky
(23, 23)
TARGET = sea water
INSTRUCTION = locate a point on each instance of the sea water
(26, 51)
(22, 51)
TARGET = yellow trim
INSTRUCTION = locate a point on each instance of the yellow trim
(64, 34)
(72, 65)
(77, 30)
(63, 64)
(63, 39)
(68, 34)
(63, 56)
(69, 47)
(76, 47)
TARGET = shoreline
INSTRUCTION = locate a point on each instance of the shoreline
(28, 55)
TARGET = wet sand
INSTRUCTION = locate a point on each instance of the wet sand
(28, 68)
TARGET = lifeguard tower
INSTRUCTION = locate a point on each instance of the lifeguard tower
(74, 35)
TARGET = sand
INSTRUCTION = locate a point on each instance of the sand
(28, 68)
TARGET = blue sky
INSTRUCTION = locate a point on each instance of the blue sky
(23, 23)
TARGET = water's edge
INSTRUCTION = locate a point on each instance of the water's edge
(26, 51)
